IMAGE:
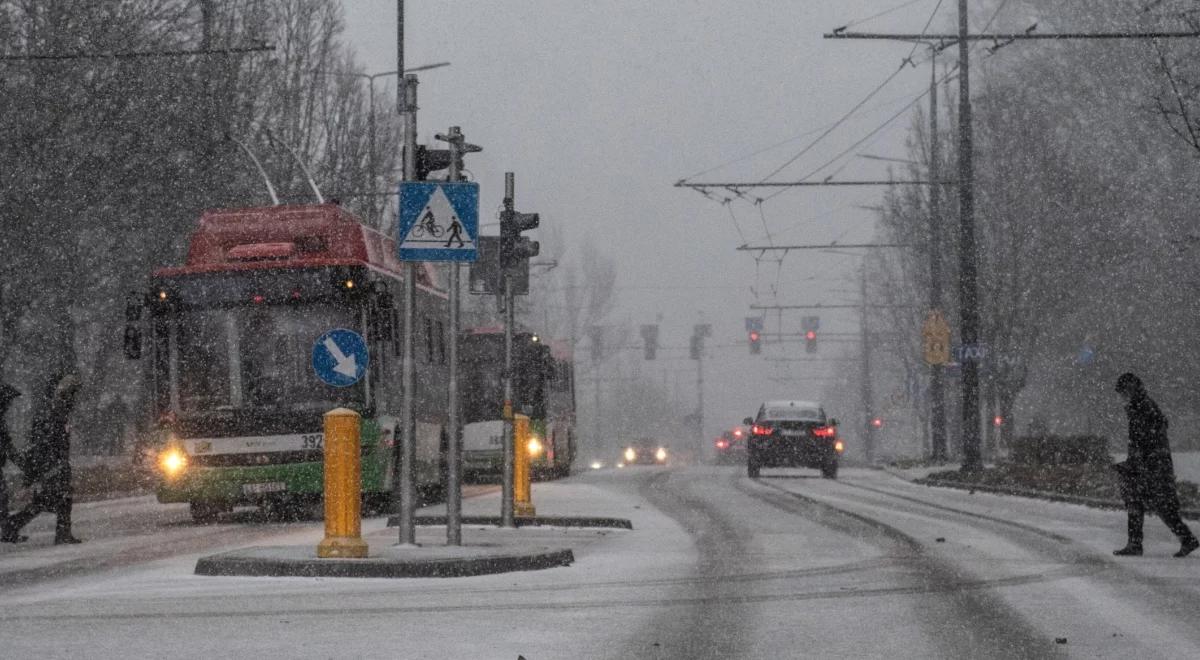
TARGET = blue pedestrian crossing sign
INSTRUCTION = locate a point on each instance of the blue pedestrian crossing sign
(439, 221)
(339, 357)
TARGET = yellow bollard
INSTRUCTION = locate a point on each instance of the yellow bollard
(343, 487)
(522, 490)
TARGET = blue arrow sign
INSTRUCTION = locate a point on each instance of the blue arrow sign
(439, 221)
(340, 357)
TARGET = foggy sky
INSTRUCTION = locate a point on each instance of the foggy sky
(599, 107)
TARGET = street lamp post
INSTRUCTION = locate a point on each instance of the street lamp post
(372, 172)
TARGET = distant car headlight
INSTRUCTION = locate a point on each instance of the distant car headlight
(660, 455)
(839, 447)
(173, 461)
(620, 465)
(535, 446)
(596, 465)
(630, 455)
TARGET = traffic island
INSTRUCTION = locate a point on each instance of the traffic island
(385, 562)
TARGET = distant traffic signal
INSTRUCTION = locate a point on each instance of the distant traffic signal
(810, 341)
(431, 160)
(877, 423)
(650, 340)
(755, 342)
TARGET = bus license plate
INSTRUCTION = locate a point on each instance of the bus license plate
(259, 489)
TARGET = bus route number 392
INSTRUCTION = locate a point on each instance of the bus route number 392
(312, 441)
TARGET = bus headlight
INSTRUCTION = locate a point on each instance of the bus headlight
(535, 446)
(660, 455)
(173, 461)
(630, 455)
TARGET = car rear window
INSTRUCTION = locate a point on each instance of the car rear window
(802, 414)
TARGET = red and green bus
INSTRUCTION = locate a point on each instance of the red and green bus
(227, 340)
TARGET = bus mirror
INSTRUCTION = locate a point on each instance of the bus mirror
(133, 342)
(748, 421)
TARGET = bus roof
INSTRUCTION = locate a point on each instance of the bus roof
(290, 236)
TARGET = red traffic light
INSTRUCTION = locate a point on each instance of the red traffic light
(877, 423)
(753, 336)
(997, 421)
(810, 335)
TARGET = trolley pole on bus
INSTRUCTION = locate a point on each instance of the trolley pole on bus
(458, 146)
(506, 503)
(404, 456)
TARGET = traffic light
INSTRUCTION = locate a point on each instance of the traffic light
(696, 347)
(997, 421)
(597, 333)
(650, 340)
(877, 423)
(755, 343)
(810, 341)
(515, 248)
(432, 160)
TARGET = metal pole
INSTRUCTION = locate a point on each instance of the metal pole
(453, 467)
(506, 504)
(700, 397)
(375, 221)
(968, 288)
(867, 397)
(937, 400)
(403, 489)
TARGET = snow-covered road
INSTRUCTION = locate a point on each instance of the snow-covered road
(717, 566)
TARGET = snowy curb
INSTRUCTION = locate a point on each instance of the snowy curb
(1094, 502)
(528, 521)
(433, 562)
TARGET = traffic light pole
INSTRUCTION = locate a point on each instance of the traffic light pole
(454, 428)
(865, 364)
(404, 456)
(506, 500)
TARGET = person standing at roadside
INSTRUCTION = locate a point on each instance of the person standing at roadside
(8, 452)
(48, 464)
(1148, 474)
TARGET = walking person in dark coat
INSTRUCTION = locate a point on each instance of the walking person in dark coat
(1148, 474)
(48, 464)
(8, 452)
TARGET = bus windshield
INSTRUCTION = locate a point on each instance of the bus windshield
(252, 357)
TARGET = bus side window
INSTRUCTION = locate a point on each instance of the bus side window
(428, 340)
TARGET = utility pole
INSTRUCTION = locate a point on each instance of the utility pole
(865, 376)
(403, 488)
(937, 398)
(968, 286)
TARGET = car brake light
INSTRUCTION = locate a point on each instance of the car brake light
(760, 430)
(721, 444)
(824, 431)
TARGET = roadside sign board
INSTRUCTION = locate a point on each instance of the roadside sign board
(438, 221)
(339, 357)
(935, 336)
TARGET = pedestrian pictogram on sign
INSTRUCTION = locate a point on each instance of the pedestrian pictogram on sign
(935, 335)
(439, 221)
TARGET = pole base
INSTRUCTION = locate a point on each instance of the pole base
(342, 547)
(524, 509)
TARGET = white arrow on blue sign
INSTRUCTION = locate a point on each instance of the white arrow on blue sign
(339, 357)
(439, 221)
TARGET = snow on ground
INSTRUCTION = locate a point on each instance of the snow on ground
(160, 608)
